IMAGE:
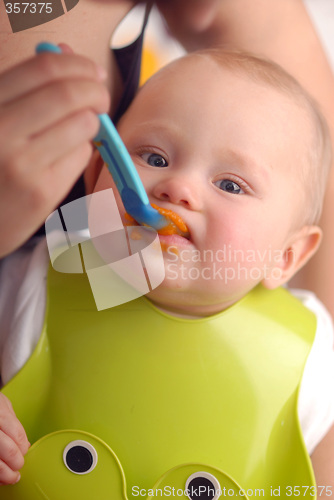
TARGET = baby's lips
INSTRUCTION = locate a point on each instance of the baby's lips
(176, 224)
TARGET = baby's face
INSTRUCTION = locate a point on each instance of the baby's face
(221, 151)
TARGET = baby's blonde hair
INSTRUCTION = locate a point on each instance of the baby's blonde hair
(315, 167)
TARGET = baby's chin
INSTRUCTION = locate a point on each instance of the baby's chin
(181, 300)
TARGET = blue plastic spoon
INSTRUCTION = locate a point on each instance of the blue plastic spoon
(121, 167)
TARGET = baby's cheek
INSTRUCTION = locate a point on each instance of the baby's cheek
(104, 182)
(106, 213)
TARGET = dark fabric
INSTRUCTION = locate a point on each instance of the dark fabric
(129, 62)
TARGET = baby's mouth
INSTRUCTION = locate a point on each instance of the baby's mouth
(175, 226)
(176, 223)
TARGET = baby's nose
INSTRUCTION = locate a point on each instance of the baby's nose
(179, 192)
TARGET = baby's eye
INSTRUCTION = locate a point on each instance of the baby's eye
(154, 159)
(229, 186)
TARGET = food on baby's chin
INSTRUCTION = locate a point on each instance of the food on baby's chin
(167, 248)
(135, 234)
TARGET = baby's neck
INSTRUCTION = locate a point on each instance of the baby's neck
(191, 312)
(177, 314)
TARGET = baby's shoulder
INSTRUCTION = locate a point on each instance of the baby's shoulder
(316, 395)
(324, 319)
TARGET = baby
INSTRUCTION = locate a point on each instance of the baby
(240, 152)
(235, 147)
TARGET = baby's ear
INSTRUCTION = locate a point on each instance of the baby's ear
(302, 246)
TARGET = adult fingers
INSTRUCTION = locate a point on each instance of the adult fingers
(54, 184)
(7, 475)
(10, 455)
(37, 111)
(11, 426)
(39, 187)
(43, 69)
(45, 149)
(57, 175)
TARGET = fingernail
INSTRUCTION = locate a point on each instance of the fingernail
(101, 72)
(18, 478)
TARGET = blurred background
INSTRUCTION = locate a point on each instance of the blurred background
(160, 48)
(322, 14)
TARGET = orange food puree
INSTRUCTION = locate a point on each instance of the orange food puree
(176, 225)
(129, 220)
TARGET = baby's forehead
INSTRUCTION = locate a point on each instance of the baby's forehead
(192, 66)
(207, 82)
(202, 71)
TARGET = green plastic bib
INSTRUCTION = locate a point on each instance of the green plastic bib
(154, 396)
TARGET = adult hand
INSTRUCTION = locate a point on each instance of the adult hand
(13, 443)
(48, 108)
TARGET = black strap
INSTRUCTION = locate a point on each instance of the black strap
(129, 60)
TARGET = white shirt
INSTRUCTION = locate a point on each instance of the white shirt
(22, 305)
